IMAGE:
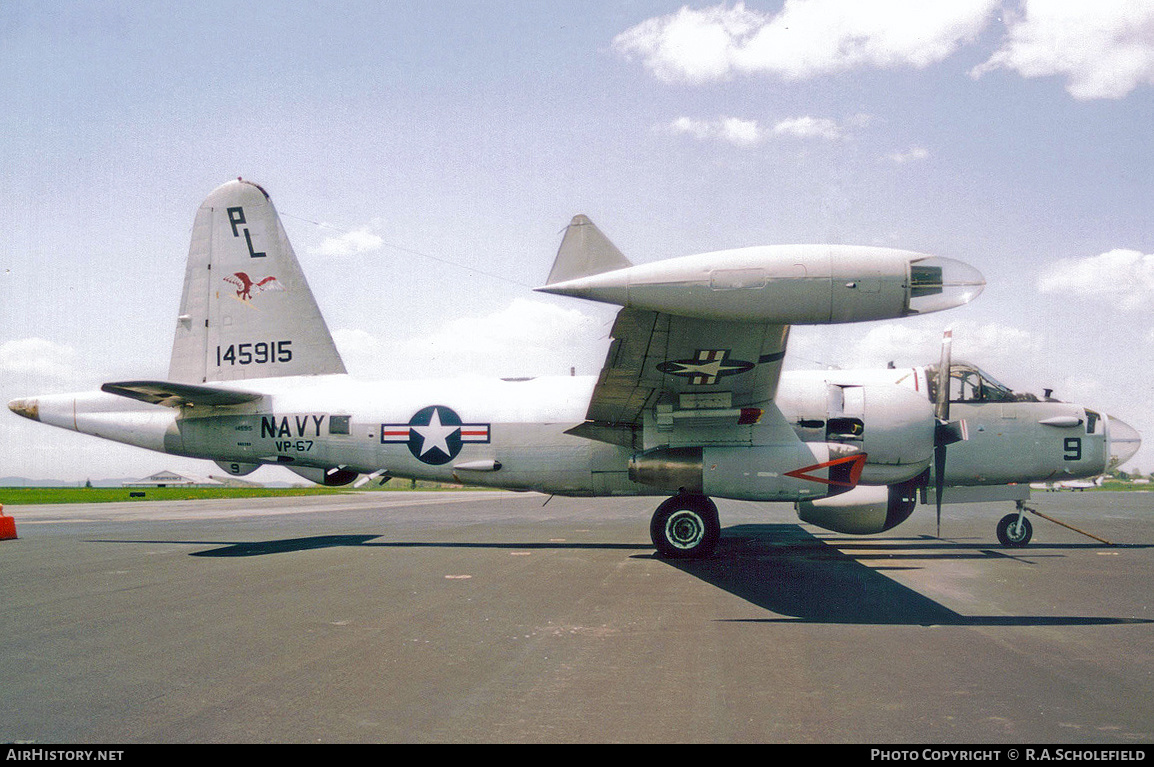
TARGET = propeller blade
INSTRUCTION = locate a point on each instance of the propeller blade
(949, 432)
(943, 433)
(942, 403)
(939, 480)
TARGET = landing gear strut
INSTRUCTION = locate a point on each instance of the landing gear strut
(1014, 529)
(685, 527)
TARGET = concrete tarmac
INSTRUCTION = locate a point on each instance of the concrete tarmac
(498, 617)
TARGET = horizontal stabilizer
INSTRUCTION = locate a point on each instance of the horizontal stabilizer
(172, 394)
(585, 251)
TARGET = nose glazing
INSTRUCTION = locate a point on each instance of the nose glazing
(1123, 440)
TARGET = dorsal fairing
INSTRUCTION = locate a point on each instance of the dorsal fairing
(246, 310)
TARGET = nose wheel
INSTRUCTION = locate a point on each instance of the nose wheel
(685, 527)
(1015, 530)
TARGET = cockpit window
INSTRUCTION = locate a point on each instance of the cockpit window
(969, 383)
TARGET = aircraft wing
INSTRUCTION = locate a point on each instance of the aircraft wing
(690, 373)
(700, 379)
(172, 394)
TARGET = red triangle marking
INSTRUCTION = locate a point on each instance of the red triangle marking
(858, 460)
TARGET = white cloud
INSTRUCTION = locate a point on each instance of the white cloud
(352, 243)
(809, 127)
(527, 338)
(910, 155)
(694, 46)
(701, 129)
(993, 346)
(807, 38)
(1105, 49)
(38, 359)
(741, 132)
(1019, 358)
(748, 133)
(1125, 277)
(733, 130)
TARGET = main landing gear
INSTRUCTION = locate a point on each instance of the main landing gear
(685, 527)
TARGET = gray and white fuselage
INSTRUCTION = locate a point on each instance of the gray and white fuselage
(513, 433)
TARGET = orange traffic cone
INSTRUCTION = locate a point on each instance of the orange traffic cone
(7, 526)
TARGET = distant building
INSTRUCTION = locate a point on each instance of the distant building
(172, 479)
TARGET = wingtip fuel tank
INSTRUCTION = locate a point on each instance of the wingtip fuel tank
(787, 284)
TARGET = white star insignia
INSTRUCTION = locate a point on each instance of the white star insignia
(711, 369)
(435, 435)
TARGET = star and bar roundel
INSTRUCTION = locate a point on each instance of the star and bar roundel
(435, 434)
(708, 366)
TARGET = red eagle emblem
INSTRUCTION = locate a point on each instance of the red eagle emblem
(245, 285)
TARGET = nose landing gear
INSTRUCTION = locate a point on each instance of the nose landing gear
(1015, 530)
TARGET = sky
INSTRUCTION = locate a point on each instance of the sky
(426, 156)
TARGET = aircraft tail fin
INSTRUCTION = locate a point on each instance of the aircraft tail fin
(246, 310)
(585, 251)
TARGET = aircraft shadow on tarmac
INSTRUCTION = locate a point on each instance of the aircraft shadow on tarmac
(802, 578)
(779, 567)
(226, 549)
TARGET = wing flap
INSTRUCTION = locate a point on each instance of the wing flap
(624, 387)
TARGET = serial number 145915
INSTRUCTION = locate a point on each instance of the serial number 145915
(258, 353)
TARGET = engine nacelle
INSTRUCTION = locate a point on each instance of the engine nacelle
(865, 510)
(892, 425)
(753, 473)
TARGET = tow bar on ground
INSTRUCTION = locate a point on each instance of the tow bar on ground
(1023, 507)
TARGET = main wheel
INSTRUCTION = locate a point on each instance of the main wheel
(685, 527)
(1012, 532)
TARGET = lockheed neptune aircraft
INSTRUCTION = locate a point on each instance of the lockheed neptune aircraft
(691, 402)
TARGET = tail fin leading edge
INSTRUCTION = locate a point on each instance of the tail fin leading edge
(246, 310)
